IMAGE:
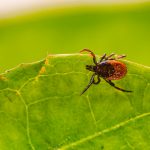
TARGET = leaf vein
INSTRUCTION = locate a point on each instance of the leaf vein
(107, 130)
(27, 123)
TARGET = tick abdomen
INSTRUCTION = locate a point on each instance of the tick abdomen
(120, 70)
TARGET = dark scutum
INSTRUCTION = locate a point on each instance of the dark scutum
(105, 69)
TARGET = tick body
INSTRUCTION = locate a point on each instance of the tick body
(108, 68)
(111, 69)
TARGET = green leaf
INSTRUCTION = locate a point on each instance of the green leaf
(41, 107)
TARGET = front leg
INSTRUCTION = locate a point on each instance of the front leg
(92, 54)
(118, 88)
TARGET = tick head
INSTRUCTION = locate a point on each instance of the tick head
(91, 68)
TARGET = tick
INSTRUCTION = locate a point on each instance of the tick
(108, 68)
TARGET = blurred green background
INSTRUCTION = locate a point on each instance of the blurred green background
(123, 29)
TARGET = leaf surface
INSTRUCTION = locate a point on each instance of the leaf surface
(41, 107)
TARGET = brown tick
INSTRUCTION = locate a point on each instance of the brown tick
(108, 68)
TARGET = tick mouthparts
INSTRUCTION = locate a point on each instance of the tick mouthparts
(87, 66)
(90, 67)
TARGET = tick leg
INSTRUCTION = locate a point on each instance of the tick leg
(92, 54)
(107, 58)
(90, 83)
(112, 84)
(110, 57)
(120, 56)
(102, 58)
(98, 80)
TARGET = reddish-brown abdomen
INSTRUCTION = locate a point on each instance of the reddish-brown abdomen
(120, 70)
